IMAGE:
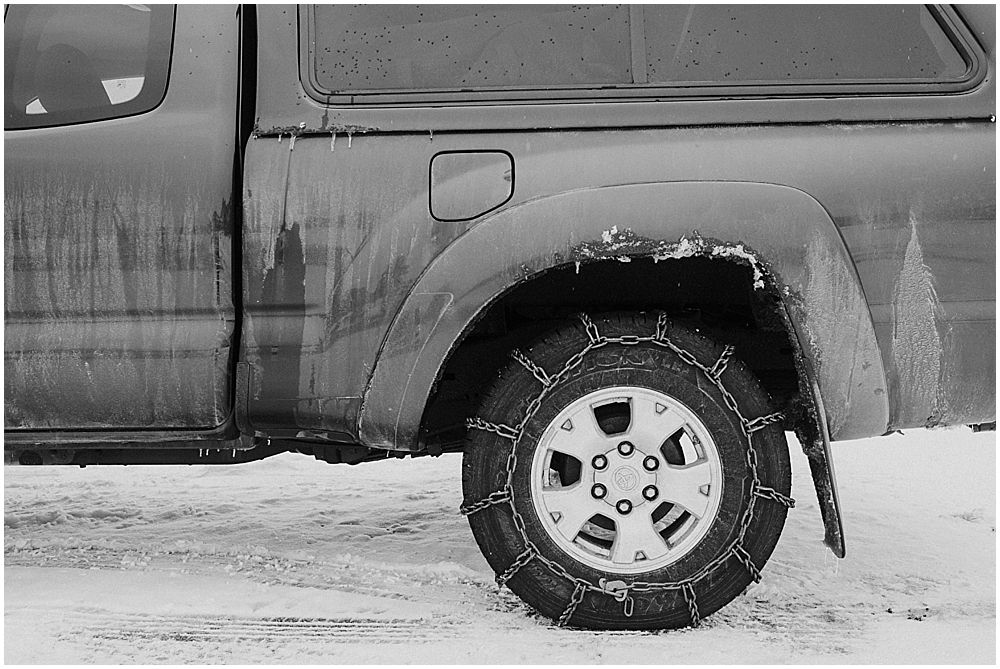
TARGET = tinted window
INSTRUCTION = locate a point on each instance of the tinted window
(773, 43)
(379, 47)
(75, 63)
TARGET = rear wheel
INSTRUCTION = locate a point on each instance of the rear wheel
(625, 473)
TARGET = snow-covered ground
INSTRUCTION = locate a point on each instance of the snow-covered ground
(290, 560)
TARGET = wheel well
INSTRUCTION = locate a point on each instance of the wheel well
(715, 296)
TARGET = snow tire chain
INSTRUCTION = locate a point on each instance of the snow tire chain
(619, 590)
(497, 497)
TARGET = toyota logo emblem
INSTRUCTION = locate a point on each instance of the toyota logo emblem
(626, 478)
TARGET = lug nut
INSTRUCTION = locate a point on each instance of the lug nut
(599, 462)
(598, 491)
(626, 448)
(650, 493)
(650, 463)
(624, 507)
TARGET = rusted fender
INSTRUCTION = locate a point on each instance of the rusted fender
(775, 228)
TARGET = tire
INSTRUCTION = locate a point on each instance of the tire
(575, 529)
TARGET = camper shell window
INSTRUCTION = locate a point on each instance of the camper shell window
(390, 53)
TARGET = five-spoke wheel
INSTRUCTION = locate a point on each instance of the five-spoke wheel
(626, 473)
(626, 479)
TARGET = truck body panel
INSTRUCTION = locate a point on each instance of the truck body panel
(119, 308)
(907, 236)
(907, 180)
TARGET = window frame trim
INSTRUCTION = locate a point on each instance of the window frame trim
(950, 22)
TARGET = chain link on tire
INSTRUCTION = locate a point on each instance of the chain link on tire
(619, 590)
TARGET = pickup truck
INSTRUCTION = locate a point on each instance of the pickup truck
(609, 253)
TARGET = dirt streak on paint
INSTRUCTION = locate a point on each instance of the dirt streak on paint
(117, 302)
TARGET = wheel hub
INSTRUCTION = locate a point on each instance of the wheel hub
(633, 497)
(624, 477)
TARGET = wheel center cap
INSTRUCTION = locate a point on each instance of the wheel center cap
(625, 478)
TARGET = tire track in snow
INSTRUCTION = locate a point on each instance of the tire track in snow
(373, 579)
(111, 626)
(388, 580)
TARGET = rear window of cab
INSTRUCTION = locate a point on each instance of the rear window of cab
(389, 53)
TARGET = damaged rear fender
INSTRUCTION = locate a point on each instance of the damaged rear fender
(781, 228)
